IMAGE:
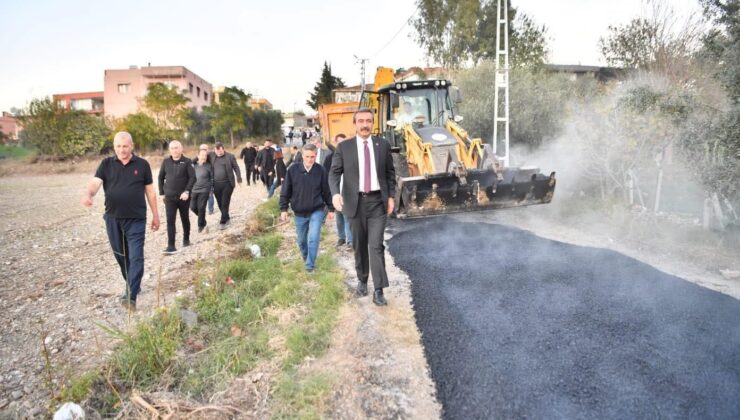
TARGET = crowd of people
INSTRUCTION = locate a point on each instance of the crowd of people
(351, 182)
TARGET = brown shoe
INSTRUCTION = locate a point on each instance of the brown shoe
(128, 304)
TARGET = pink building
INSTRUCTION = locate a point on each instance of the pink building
(90, 102)
(125, 88)
(9, 126)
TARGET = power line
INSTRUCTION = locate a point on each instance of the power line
(405, 23)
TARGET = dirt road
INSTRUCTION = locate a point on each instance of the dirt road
(60, 278)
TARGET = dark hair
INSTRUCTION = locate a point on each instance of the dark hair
(362, 110)
(219, 145)
(340, 135)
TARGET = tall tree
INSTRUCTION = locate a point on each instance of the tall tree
(231, 114)
(168, 108)
(199, 130)
(721, 45)
(55, 131)
(460, 32)
(656, 42)
(322, 91)
(143, 129)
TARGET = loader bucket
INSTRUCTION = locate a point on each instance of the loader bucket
(479, 190)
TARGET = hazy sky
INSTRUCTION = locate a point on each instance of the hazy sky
(273, 48)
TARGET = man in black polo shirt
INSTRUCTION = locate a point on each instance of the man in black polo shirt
(126, 179)
(176, 180)
(306, 190)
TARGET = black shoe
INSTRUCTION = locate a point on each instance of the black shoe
(222, 226)
(201, 229)
(341, 242)
(210, 211)
(378, 298)
(169, 250)
(185, 242)
(361, 289)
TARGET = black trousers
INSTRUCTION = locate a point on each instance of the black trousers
(266, 179)
(255, 174)
(222, 190)
(248, 172)
(172, 205)
(198, 206)
(368, 227)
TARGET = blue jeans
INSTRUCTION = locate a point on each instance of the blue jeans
(308, 232)
(273, 187)
(210, 201)
(126, 237)
(343, 231)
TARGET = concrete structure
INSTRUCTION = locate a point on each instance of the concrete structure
(350, 93)
(9, 126)
(125, 88)
(91, 102)
(295, 119)
(602, 74)
(261, 104)
(217, 92)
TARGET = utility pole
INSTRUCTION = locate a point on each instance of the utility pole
(501, 112)
(361, 62)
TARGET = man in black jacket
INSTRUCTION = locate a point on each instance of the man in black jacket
(306, 190)
(249, 154)
(224, 168)
(176, 179)
(266, 164)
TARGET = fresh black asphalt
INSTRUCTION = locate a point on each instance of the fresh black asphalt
(517, 326)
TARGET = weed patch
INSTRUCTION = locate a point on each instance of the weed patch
(302, 397)
(235, 304)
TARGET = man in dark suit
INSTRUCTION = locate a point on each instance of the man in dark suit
(249, 154)
(266, 164)
(366, 198)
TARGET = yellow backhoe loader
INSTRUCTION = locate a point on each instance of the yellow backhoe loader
(439, 167)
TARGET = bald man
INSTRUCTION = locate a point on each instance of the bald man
(126, 180)
(176, 180)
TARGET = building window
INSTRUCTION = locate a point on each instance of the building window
(197, 90)
(205, 95)
(82, 104)
(62, 103)
(123, 87)
(190, 87)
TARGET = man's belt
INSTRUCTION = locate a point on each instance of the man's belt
(367, 194)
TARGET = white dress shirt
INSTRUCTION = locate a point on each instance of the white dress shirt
(374, 184)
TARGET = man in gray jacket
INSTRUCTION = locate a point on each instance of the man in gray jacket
(224, 169)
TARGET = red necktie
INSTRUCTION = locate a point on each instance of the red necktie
(367, 168)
